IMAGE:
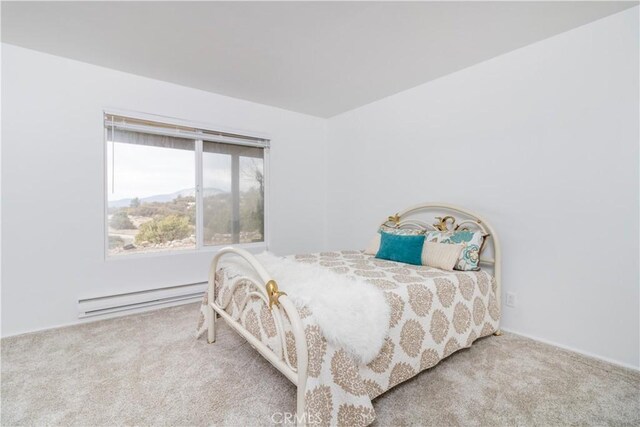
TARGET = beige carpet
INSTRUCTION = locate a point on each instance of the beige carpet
(148, 370)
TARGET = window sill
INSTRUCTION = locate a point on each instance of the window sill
(251, 247)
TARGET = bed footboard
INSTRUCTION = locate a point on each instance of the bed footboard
(279, 304)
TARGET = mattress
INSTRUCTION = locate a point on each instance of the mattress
(434, 313)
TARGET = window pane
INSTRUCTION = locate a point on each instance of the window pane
(251, 200)
(151, 192)
(216, 197)
(233, 194)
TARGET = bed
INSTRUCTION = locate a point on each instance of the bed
(429, 314)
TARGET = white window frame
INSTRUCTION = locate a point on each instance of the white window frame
(200, 247)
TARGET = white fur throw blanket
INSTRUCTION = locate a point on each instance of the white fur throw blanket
(351, 313)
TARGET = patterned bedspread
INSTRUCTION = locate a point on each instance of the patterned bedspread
(433, 314)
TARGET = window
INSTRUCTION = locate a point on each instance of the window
(173, 188)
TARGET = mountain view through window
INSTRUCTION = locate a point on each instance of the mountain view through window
(168, 193)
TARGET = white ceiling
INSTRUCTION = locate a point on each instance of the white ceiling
(320, 58)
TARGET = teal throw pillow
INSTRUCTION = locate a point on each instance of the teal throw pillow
(407, 249)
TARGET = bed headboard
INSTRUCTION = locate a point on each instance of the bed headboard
(445, 217)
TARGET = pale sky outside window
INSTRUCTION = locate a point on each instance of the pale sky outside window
(216, 171)
(143, 171)
(248, 168)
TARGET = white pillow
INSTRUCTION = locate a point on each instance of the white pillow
(440, 255)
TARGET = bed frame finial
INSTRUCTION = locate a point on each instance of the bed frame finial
(274, 294)
(443, 223)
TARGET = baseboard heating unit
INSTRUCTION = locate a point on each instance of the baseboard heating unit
(137, 301)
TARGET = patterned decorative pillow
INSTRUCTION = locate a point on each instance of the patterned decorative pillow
(374, 245)
(402, 231)
(469, 258)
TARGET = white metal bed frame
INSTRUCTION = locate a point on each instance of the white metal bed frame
(279, 303)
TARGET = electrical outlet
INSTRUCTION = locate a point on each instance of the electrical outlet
(511, 299)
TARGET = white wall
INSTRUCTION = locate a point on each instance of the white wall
(52, 183)
(543, 142)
